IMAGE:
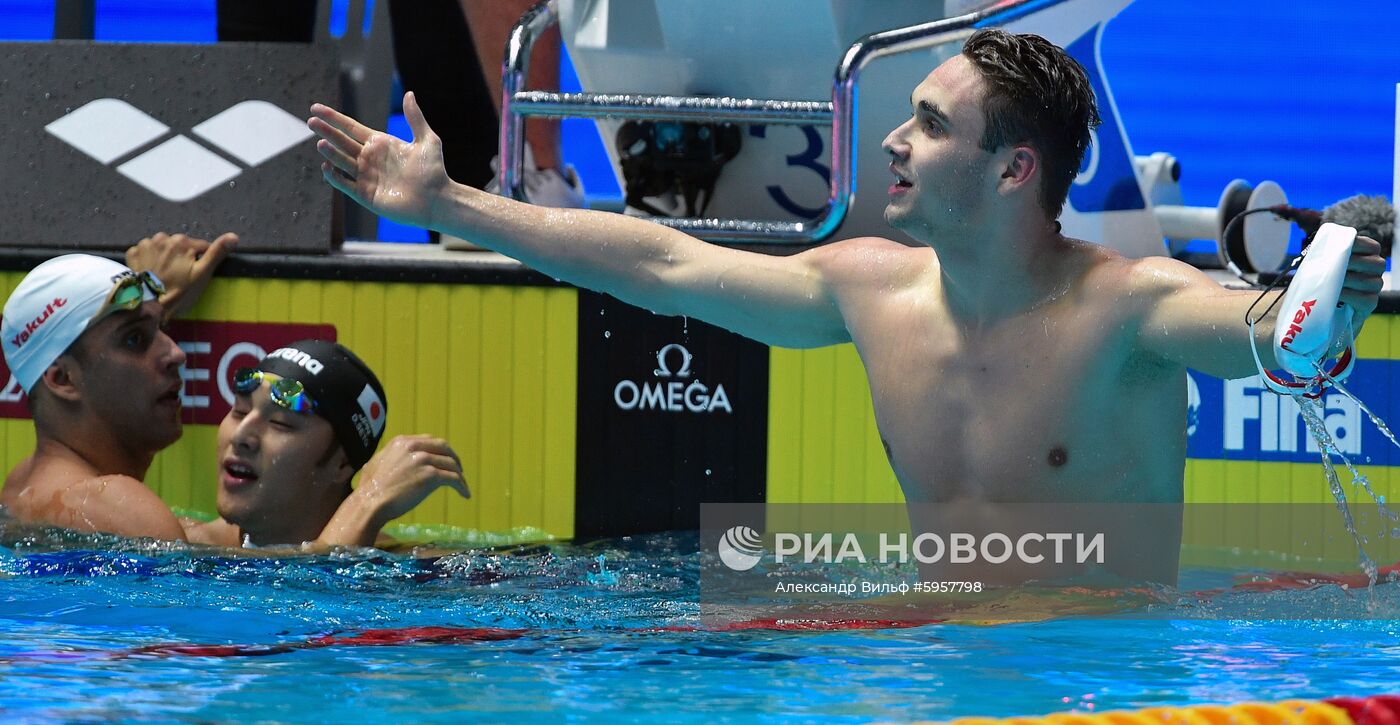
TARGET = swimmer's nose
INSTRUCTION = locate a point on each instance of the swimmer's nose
(174, 356)
(894, 144)
(245, 436)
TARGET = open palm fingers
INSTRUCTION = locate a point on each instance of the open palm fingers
(340, 180)
(339, 159)
(339, 121)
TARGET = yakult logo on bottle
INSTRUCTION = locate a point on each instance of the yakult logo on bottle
(671, 392)
(1296, 327)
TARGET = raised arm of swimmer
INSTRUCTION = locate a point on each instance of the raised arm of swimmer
(1195, 322)
(787, 301)
(393, 483)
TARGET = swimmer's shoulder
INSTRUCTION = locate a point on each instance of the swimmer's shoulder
(67, 496)
(873, 261)
(1156, 277)
(17, 480)
(1123, 278)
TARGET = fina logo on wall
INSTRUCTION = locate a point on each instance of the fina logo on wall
(670, 392)
(1241, 419)
(179, 169)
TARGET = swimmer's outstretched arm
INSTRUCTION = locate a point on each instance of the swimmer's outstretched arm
(787, 301)
(1193, 321)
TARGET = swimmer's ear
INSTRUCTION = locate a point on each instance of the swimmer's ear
(61, 379)
(344, 472)
(1020, 168)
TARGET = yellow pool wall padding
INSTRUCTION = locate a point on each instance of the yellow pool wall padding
(493, 369)
(490, 368)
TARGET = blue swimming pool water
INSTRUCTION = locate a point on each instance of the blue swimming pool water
(90, 629)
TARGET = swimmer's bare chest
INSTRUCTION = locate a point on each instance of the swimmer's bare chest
(1045, 406)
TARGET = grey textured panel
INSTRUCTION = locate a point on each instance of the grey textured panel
(90, 180)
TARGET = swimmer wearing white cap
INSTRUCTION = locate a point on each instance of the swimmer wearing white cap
(1007, 363)
(83, 337)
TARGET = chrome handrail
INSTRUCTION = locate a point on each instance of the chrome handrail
(517, 103)
(669, 108)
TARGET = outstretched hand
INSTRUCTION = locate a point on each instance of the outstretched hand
(393, 178)
(184, 264)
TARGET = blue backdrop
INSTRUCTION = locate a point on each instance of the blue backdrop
(1238, 89)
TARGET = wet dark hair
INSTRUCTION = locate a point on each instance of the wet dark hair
(1038, 95)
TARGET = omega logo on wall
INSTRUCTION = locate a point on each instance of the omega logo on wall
(673, 390)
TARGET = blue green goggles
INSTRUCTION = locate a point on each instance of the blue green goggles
(286, 392)
(130, 291)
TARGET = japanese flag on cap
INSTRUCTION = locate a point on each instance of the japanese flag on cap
(373, 408)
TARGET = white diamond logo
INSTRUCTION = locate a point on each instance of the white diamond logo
(107, 129)
(179, 170)
(253, 131)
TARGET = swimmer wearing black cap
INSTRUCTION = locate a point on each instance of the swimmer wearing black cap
(83, 336)
(303, 422)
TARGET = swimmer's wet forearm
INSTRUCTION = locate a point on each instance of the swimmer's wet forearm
(776, 300)
(1226, 350)
(642, 263)
(351, 525)
(613, 253)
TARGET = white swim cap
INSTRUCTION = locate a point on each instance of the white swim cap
(51, 308)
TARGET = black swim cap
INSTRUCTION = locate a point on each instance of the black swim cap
(345, 390)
